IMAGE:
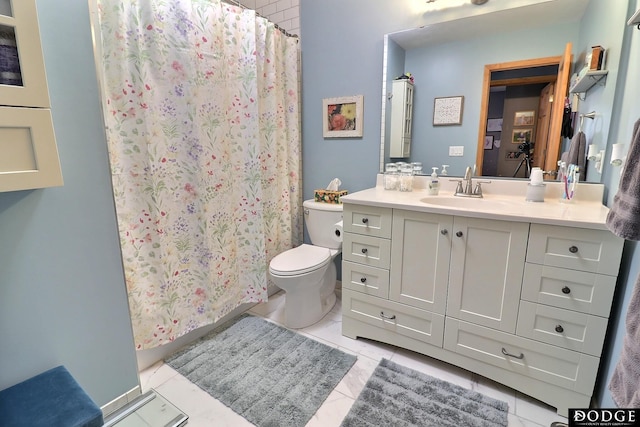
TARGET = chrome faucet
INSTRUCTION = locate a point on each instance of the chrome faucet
(468, 189)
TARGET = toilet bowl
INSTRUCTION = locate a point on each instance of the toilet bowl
(307, 273)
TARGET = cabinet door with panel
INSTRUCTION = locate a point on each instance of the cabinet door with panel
(485, 274)
(23, 80)
(28, 151)
(420, 251)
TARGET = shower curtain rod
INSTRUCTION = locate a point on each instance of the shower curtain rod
(282, 30)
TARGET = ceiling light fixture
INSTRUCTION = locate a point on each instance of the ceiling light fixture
(479, 2)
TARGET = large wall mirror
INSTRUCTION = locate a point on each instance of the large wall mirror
(473, 57)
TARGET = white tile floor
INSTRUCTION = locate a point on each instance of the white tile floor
(205, 411)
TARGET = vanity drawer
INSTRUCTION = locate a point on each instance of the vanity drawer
(367, 280)
(371, 251)
(367, 220)
(589, 293)
(394, 317)
(596, 251)
(564, 328)
(565, 368)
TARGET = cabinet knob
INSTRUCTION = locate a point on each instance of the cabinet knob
(444, 232)
(363, 279)
(566, 290)
(459, 233)
(559, 329)
(365, 220)
(363, 250)
(573, 249)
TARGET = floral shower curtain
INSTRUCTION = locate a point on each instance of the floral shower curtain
(202, 120)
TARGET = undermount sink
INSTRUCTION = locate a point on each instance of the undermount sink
(466, 202)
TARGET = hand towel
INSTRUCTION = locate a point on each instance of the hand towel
(577, 153)
(624, 220)
(624, 217)
(625, 381)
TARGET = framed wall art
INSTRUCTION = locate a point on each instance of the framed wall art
(524, 118)
(488, 142)
(521, 135)
(448, 111)
(342, 117)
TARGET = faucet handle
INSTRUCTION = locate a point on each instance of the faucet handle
(478, 190)
(459, 189)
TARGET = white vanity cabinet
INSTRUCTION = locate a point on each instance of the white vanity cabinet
(522, 303)
(27, 141)
(401, 118)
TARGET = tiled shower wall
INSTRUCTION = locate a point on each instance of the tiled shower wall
(284, 13)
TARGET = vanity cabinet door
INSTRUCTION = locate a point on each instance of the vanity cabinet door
(485, 275)
(420, 259)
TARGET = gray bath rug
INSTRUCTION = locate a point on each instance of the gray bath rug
(399, 396)
(268, 374)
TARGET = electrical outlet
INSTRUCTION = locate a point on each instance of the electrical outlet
(456, 150)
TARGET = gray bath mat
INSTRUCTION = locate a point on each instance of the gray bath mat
(399, 396)
(268, 374)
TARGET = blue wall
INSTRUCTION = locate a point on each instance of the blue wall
(345, 58)
(62, 291)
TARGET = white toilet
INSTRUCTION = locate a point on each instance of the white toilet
(307, 273)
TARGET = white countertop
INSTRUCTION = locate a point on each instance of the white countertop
(587, 213)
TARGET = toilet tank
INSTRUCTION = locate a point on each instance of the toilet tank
(320, 219)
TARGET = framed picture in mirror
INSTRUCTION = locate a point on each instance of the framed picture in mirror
(447, 111)
(524, 118)
(521, 135)
(488, 142)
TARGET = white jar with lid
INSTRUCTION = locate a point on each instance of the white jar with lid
(406, 178)
(391, 176)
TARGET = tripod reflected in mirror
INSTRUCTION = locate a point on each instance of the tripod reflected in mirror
(525, 149)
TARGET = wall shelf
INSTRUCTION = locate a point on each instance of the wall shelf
(586, 82)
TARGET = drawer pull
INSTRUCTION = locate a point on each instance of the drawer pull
(573, 249)
(363, 250)
(365, 220)
(506, 353)
(559, 329)
(384, 316)
(459, 233)
(363, 280)
(566, 290)
(444, 232)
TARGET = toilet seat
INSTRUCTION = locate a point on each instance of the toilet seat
(300, 260)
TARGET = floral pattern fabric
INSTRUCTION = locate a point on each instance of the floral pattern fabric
(202, 119)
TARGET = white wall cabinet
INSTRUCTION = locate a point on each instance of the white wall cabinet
(524, 304)
(401, 118)
(29, 155)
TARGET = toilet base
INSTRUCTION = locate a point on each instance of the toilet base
(306, 307)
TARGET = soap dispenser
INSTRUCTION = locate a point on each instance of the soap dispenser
(434, 185)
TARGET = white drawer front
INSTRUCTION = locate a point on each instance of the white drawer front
(597, 251)
(394, 317)
(367, 220)
(368, 280)
(544, 362)
(366, 250)
(589, 293)
(567, 329)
